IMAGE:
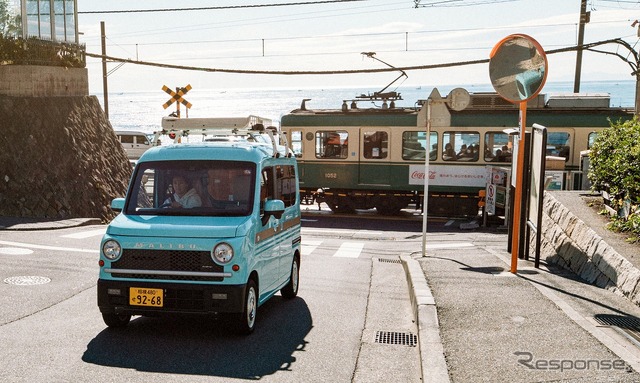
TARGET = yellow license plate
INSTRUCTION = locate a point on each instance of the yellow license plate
(142, 296)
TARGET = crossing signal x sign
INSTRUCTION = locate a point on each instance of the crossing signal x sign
(177, 96)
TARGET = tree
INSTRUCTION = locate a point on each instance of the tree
(10, 20)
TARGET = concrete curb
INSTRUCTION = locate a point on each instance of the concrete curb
(27, 225)
(434, 365)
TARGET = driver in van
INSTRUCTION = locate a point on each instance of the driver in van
(183, 194)
(217, 190)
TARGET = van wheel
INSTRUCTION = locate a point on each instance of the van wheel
(290, 290)
(247, 321)
(115, 320)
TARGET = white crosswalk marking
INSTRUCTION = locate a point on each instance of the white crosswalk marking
(453, 245)
(86, 234)
(349, 250)
(309, 246)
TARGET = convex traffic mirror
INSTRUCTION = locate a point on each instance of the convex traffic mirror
(517, 68)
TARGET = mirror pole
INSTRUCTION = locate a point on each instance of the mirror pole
(517, 203)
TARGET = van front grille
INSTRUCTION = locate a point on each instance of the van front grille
(167, 260)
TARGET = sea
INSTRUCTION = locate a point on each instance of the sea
(143, 110)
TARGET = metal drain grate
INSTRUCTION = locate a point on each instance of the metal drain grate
(399, 338)
(30, 280)
(628, 324)
(389, 260)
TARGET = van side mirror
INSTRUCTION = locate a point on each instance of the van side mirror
(272, 207)
(117, 204)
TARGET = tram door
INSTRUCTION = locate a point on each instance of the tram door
(374, 158)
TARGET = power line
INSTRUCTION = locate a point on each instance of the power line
(371, 34)
(271, 5)
(457, 3)
(589, 46)
(262, 20)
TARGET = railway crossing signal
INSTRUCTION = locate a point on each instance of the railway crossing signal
(177, 96)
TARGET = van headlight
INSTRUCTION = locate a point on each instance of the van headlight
(111, 249)
(222, 253)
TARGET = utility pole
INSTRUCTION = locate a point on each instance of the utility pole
(584, 18)
(104, 69)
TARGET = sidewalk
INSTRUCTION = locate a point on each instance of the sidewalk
(537, 325)
(17, 223)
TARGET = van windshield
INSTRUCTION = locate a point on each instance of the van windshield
(192, 188)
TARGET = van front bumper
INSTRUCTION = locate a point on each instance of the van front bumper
(178, 298)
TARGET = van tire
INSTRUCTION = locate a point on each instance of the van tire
(247, 321)
(290, 290)
(115, 320)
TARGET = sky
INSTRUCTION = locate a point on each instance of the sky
(332, 36)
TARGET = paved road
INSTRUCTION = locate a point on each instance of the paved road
(493, 326)
(52, 331)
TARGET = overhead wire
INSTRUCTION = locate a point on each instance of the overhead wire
(589, 46)
(221, 7)
(261, 20)
(458, 3)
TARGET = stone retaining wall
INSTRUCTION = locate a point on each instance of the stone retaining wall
(43, 81)
(570, 243)
(59, 158)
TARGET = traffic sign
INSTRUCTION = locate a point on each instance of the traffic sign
(177, 96)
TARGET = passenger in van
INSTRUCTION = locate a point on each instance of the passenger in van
(183, 194)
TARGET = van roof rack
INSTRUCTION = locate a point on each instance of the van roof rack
(251, 128)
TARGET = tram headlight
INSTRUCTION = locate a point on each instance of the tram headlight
(111, 250)
(222, 253)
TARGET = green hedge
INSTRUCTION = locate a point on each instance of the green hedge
(33, 51)
(615, 168)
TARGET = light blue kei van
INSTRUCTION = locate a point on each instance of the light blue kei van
(205, 228)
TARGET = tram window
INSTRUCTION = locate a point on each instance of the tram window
(296, 143)
(461, 146)
(332, 144)
(376, 144)
(558, 144)
(497, 147)
(413, 144)
(591, 139)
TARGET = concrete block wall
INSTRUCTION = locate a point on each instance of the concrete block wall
(43, 81)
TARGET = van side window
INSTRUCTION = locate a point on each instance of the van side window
(266, 187)
(332, 144)
(286, 184)
(142, 140)
(126, 139)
